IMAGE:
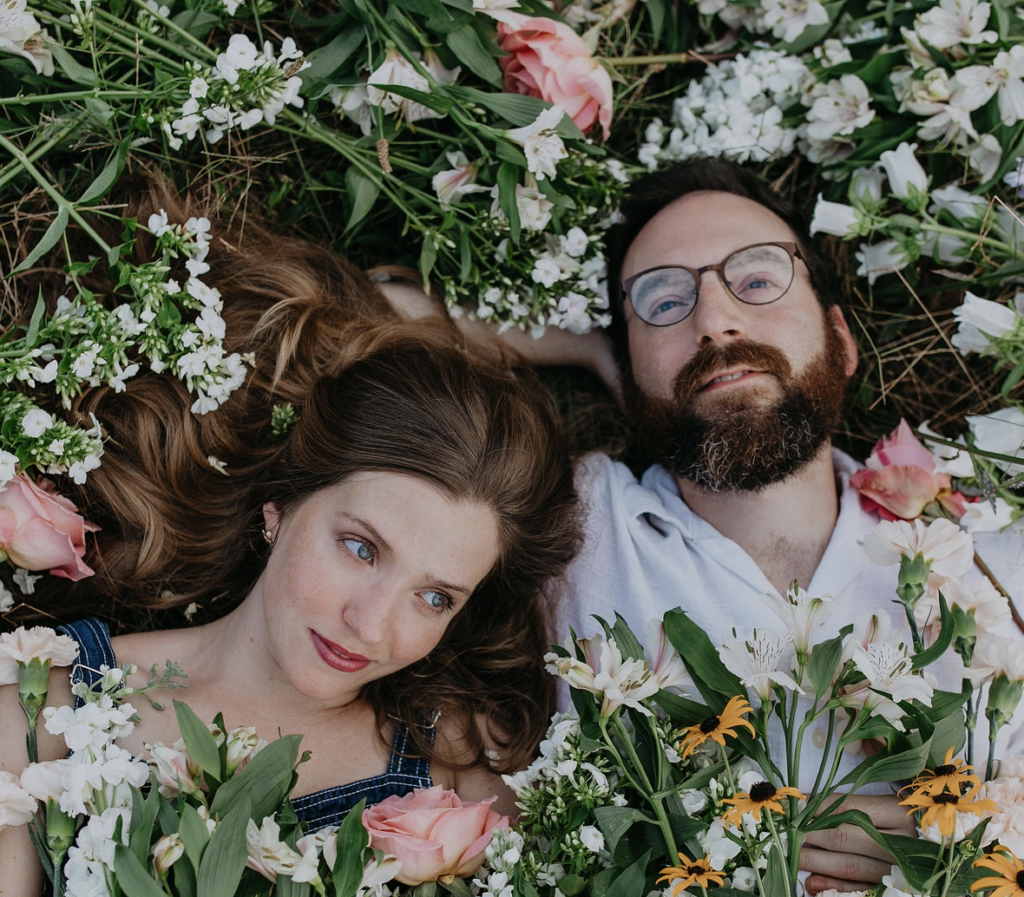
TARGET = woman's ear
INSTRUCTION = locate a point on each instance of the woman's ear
(271, 517)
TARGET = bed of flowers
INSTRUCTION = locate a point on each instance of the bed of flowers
(677, 765)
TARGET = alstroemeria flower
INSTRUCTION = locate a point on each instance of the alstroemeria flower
(666, 665)
(757, 661)
(619, 682)
(900, 479)
(270, 856)
(948, 548)
(543, 147)
(450, 186)
(800, 612)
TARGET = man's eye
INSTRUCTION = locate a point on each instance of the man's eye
(359, 548)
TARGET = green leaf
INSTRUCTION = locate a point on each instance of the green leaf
(822, 665)
(465, 43)
(428, 255)
(509, 152)
(701, 657)
(508, 180)
(615, 822)
(199, 743)
(144, 813)
(942, 642)
(70, 66)
(362, 193)
(326, 60)
(431, 100)
(132, 876)
(432, 8)
(775, 876)
(626, 641)
(225, 856)
(682, 711)
(194, 835)
(47, 242)
(887, 768)
(106, 178)
(632, 880)
(353, 839)
(266, 780)
(32, 333)
(196, 22)
(515, 108)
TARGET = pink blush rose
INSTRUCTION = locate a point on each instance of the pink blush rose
(41, 530)
(432, 833)
(900, 479)
(547, 59)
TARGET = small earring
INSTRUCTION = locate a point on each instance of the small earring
(268, 536)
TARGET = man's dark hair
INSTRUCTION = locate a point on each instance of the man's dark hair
(655, 191)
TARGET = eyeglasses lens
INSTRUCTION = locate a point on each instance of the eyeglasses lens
(756, 275)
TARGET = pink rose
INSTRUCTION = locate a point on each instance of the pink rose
(900, 479)
(432, 833)
(547, 59)
(41, 530)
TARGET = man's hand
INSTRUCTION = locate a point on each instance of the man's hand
(845, 858)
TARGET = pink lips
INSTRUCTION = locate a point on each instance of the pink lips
(745, 377)
(337, 657)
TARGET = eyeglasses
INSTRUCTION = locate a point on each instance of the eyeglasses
(756, 275)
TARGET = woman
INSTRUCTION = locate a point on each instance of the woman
(385, 561)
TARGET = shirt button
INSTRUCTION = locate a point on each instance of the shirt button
(818, 737)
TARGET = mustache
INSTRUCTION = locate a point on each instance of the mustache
(711, 359)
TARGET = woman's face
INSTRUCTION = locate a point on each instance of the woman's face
(364, 577)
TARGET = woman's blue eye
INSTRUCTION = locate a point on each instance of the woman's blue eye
(436, 600)
(359, 548)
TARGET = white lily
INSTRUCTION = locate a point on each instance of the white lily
(756, 661)
(540, 142)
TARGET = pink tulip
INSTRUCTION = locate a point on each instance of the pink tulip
(547, 59)
(900, 479)
(41, 530)
(432, 833)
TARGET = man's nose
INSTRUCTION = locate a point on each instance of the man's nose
(718, 315)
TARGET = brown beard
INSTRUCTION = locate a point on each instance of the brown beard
(737, 445)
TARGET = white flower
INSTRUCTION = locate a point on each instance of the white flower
(542, 146)
(576, 242)
(1007, 825)
(889, 672)
(964, 206)
(198, 88)
(605, 673)
(835, 218)
(592, 838)
(757, 661)
(36, 422)
(6, 599)
(882, 258)
(745, 879)
(907, 179)
(21, 35)
(666, 665)
(353, 103)
(1001, 432)
(948, 548)
(241, 53)
(954, 22)
(397, 70)
(270, 856)
(980, 321)
(799, 612)
(167, 851)
(45, 781)
(546, 272)
(844, 107)
(789, 18)
(987, 516)
(8, 467)
(38, 643)
(94, 724)
(985, 156)
(450, 186)
(25, 580)
(832, 51)
(990, 610)
(996, 655)
(718, 846)
(17, 806)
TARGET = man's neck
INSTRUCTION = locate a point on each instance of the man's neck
(784, 528)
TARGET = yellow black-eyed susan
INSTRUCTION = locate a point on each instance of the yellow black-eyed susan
(950, 775)
(762, 796)
(1009, 880)
(716, 727)
(691, 872)
(942, 808)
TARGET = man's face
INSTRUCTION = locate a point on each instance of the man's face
(735, 396)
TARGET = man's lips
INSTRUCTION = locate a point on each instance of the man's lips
(726, 378)
(334, 655)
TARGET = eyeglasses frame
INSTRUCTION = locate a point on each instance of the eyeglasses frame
(791, 247)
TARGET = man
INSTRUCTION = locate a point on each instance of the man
(735, 361)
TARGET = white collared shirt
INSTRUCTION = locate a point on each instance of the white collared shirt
(646, 552)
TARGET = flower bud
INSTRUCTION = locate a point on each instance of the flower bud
(166, 852)
(1003, 697)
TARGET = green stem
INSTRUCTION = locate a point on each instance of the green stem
(971, 237)
(177, 29)
(69, 95)
(770, 822)
(9, 172)
(649, 794)
(990, 763)
(51, 191)
(914, 633)
(31, 744)
(971, 722)
(668, 59)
